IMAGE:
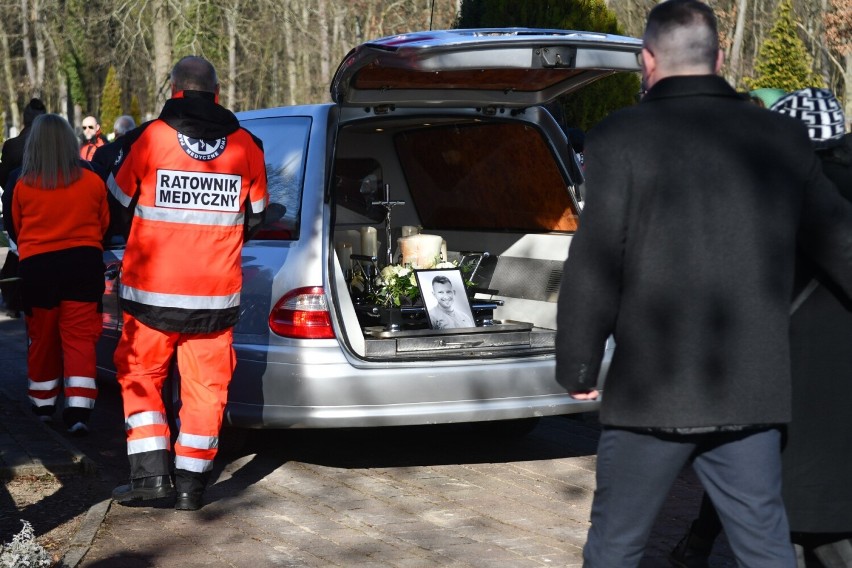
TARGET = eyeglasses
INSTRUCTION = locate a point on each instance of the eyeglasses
(87, 127)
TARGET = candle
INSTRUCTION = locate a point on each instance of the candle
(408, 230)
(352, 237)
(420, 250)
(369, 241)
(443, 251)
(344, 255)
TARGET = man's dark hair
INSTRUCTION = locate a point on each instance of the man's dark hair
(441, 280)
(193, 73)
(683, 33)
(33, 109)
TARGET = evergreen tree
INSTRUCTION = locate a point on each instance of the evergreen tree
(205, 35)
(135, 112)
(110, 101)
(593, 102)
(71, 67)
(783, 61)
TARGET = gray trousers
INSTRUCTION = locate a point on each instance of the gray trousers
(740, 471)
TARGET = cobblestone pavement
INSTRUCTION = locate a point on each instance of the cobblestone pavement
(462, 495)
(432, 496)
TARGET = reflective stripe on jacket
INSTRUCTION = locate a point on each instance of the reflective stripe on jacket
(190, 177)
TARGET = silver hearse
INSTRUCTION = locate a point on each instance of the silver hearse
(439, 133)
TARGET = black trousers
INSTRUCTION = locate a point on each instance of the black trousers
(11, 291)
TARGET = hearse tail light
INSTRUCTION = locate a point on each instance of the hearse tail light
(302, 314)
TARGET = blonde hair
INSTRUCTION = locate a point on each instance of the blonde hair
(51, 153)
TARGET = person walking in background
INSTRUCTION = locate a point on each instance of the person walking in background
(104, 157)
(11, 156)
(60, 215)
(816, 489)
(685, 255)
(102, 162)
(193, 181)
(93, 138)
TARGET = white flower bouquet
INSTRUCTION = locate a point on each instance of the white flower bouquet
(396, 284)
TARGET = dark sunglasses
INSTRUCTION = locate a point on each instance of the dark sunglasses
(86, 127)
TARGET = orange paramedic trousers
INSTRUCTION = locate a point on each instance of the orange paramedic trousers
(206, 362)
(62, 346)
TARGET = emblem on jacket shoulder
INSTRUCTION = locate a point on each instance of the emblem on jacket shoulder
(201, 149)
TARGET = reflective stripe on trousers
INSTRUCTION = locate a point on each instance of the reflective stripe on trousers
(62, 343)
(206, 363)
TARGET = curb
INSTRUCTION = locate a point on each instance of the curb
(82, 541)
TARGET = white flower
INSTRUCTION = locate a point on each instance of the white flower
(402, 271)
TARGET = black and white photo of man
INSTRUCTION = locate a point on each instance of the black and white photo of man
(446, 314)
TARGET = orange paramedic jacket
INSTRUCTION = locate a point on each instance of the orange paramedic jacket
(190, 178)
(48, 220)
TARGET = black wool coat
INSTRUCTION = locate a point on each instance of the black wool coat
(12, 155)
(817, 458)
(685, 254)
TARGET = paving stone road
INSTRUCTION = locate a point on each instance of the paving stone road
(432, 496)
(460, 495)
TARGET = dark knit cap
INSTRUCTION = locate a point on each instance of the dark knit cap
(819, 110)
(34, 108)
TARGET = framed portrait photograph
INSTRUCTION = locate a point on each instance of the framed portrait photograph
(444, 297)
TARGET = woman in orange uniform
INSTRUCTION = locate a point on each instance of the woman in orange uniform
(60, 215)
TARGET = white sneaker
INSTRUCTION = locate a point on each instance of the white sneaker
(78, 429)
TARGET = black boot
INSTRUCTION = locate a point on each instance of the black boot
(190, 489)
(76, 420)
(144, 489)
(44, 413)
(189, 500)
(692, 551)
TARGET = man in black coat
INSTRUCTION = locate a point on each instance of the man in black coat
(685, 255)
(104, 157)
(11, 157)
(102, 162)
(12, 153)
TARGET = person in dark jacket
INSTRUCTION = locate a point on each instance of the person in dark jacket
(104, 157)
(816, 489)
(12, 154)
(685, 256)
(11, 157)
(103, 160)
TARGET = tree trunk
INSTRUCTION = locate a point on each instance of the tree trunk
(40, 32)
(231, 16)
(324, 40)
(847, 89)
(735, 64)
(10, 77)
(25, 42)
(162, 47)
(306, 82)
(290, 51)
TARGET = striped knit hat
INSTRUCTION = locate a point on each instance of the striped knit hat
(819, 110)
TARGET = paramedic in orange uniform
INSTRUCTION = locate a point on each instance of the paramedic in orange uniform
(60, 215)
(193, 182)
